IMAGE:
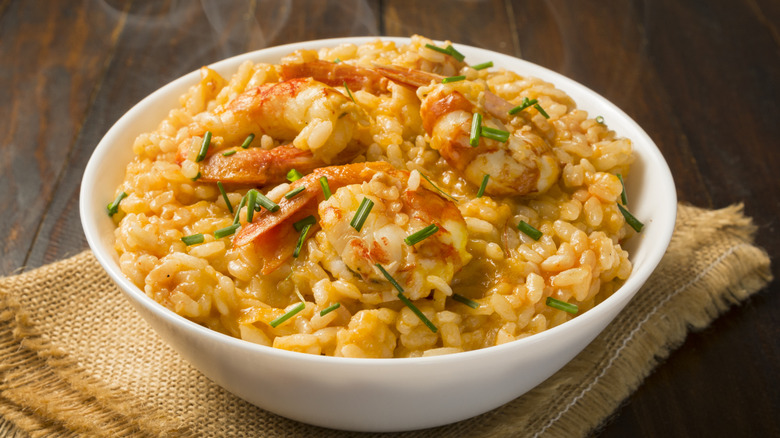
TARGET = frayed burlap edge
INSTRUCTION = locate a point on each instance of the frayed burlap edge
(44, 392)
(711, 264)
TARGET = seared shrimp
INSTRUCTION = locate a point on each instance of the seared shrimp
(317, 119)
(524, 164)
(398, 211)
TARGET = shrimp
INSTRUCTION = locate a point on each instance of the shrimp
(337, 75)
(398, 211)
(524, 164)
(318, 120)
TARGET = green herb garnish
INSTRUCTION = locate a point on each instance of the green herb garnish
(204, 147)
(293, 175)
(600, 120)
(623, 196)
(325, 187)
(336, 61)
(562, 305)
(483, 186)
(278, 321)
(225, 197)
(483, 66)
(349, 93)
(238, 210)
(301, 238)
(455, 54)
(329, 309)
(438, 49)
(227, 231)
(461, 299)
(197, 177)
(541, 111)
(525, 104)
(308, 220)
(447, 80)
(476, 129)
(421, 235)
(362, 214)
(113, 208)
(229, 153)
(193, 239)
(437, 188)
(630, 219)
(265, 202)
(251, 203)
(247, 141)
(406, 300)
(494, 134)
(292, 193)
(532, 232)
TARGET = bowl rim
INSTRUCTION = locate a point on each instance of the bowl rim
(662, 221)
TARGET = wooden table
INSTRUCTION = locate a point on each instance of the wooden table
(702, 78)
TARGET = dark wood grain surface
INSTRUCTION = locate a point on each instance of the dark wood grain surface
(701, 77)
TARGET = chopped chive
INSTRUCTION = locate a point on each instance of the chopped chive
(494, 134)
(630, 219)
(349, 92)
(455, 54)
(362, 214)
(204, 147)
(525, 104)
(336, 61)
(390, 278)
(293, 175)
(483, 66)
(600, 120)
(229, 153)
(329, 309)
(193, 239)
(417, 311)
(301, 238)
(562, 305)
(541, 111)
(530, 231)
(238, 210)
(278, 321)
(247, 141)
(325, 187)
(113, 208)
(437, 188)
(461, 299)
(251, 203)
(225, 197)
(292, 193)
(447, 80)
(406, 300)
(438, 49)
(623, 196)
(227, 231)
(421, 235)
(308, 220)
(483, 186)
(197, 177)
(266, 203)
(476, 129)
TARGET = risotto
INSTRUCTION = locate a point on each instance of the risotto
(376, 201)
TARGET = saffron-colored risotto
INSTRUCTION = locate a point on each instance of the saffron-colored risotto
(313, 173)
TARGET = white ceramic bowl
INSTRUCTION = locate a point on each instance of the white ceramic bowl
(379, 394)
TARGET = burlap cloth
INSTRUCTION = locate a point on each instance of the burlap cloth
(78, 360)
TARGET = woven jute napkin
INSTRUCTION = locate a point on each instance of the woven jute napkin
(76, 359)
